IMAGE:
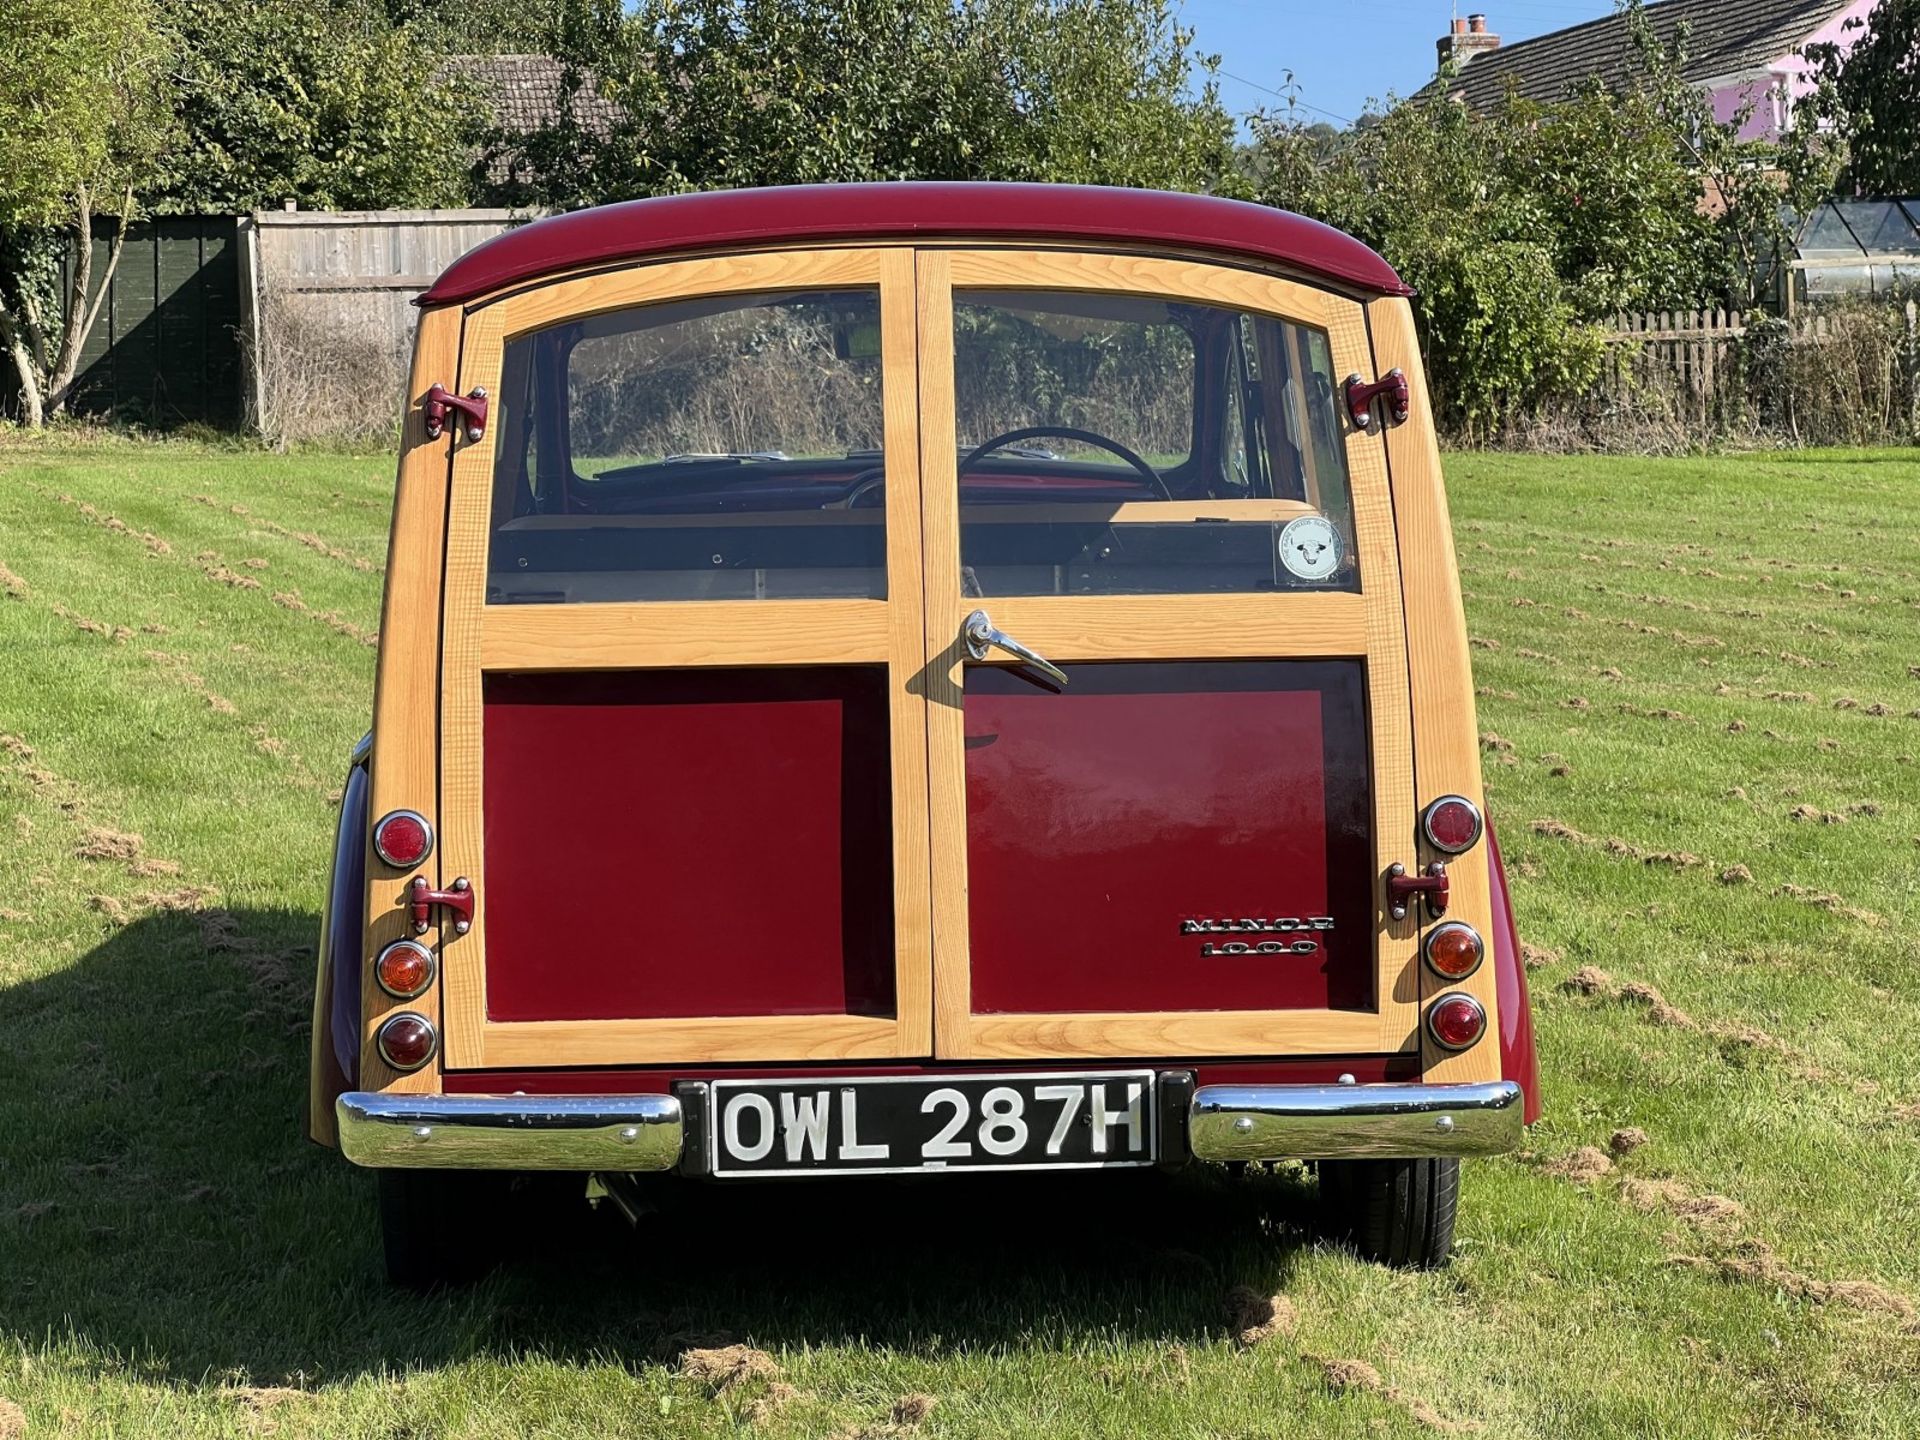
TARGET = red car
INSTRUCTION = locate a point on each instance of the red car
(922, 677)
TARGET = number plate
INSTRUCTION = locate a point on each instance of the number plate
(907, 1123)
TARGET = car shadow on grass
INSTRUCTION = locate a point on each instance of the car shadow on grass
(159, 1206)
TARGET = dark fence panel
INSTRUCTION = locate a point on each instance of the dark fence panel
(167, 347)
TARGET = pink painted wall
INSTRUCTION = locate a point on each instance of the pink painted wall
(1786, 74)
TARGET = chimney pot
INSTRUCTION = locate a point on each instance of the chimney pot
(1468, 38)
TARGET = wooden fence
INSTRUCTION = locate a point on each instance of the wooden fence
(1688, 358)
(166, 348)
(330, 316)
(1695, 363)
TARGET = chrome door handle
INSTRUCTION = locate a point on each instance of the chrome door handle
(979, 634)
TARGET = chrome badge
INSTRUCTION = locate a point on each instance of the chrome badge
(1259, 925)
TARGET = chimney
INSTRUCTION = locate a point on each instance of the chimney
(1467, 39)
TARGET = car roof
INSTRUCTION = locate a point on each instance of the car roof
(727, 219)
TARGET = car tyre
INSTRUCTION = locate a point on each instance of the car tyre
(1393, 1212)
(438, 1227)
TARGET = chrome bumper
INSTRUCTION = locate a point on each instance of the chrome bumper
(1336, 1122)
(510, 1132)
(632, 1133)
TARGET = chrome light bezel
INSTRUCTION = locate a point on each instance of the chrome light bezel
(1426, 824)
(379, 841)
(433, 1046)
(1479, 949)
(1452, 998)
(433, 969)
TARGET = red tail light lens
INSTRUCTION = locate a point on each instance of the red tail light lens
(403, 838)
(407, 1041)
(404, 969)
(1452, 823)
(1456, 1021)
(1454, 950)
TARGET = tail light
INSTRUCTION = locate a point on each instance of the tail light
(1451, 823)
(407, 1041)
(1454, 950)
(404, 969)
(403, 838)
(1456, 1021)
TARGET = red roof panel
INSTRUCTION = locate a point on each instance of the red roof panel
(717, 219)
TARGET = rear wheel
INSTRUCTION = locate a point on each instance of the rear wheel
(440, 1227)
(1394, 1212)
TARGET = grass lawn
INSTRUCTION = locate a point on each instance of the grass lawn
(1699, 689)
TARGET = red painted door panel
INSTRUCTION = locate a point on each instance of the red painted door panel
(1102, 817)
(666, 843)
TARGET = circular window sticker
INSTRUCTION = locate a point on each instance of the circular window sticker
(1310, 547)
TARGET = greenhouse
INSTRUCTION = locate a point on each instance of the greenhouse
(1856, 247)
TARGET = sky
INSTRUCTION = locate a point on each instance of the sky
(1344, 52)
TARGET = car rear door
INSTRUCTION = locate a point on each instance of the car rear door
(682, 744)
(1178, 851)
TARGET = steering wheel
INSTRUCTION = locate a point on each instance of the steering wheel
(867, 483)
(1064, 432)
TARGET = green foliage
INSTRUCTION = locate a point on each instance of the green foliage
(584, 156)
(81, 106)
(1870, 98)
(482, 27)
(1612, 197)
(1526, 228)
(765, 92)
(1745, 182)
(1474, 212)
(82, 122)
(327, 102)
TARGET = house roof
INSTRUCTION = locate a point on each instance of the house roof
(522, 92)
(612, 234)
(1725, 37)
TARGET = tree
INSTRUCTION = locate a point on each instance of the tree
(1868, 97)
(1439, 191)
(326, 102)
(483, 27)
(765, 92)
(82, 120)
(1524, 228)
(1618, 205)
(1747, 183)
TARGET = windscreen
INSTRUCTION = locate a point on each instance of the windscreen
(1123, 444)
(710, 449)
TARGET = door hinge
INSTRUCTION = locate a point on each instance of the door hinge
(1431, 882)
(422, 897)
(1360, 397)
(440, 401)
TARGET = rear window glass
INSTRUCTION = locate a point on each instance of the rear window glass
(1124, 444)
(729, 448)
(712, 449)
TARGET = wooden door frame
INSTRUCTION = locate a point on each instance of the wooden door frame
(1369, 625)
(478, 638)
(1446, 730)
(405, 773)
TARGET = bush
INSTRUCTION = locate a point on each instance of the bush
(322, 381)
(1849, 376)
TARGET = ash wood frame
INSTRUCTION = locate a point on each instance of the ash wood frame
(405, 699)
(1368, 625)
(1446, 730)
(478, 638)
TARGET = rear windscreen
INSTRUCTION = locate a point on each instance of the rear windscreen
(715, 449)
(730, 448)
(1125, 444)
